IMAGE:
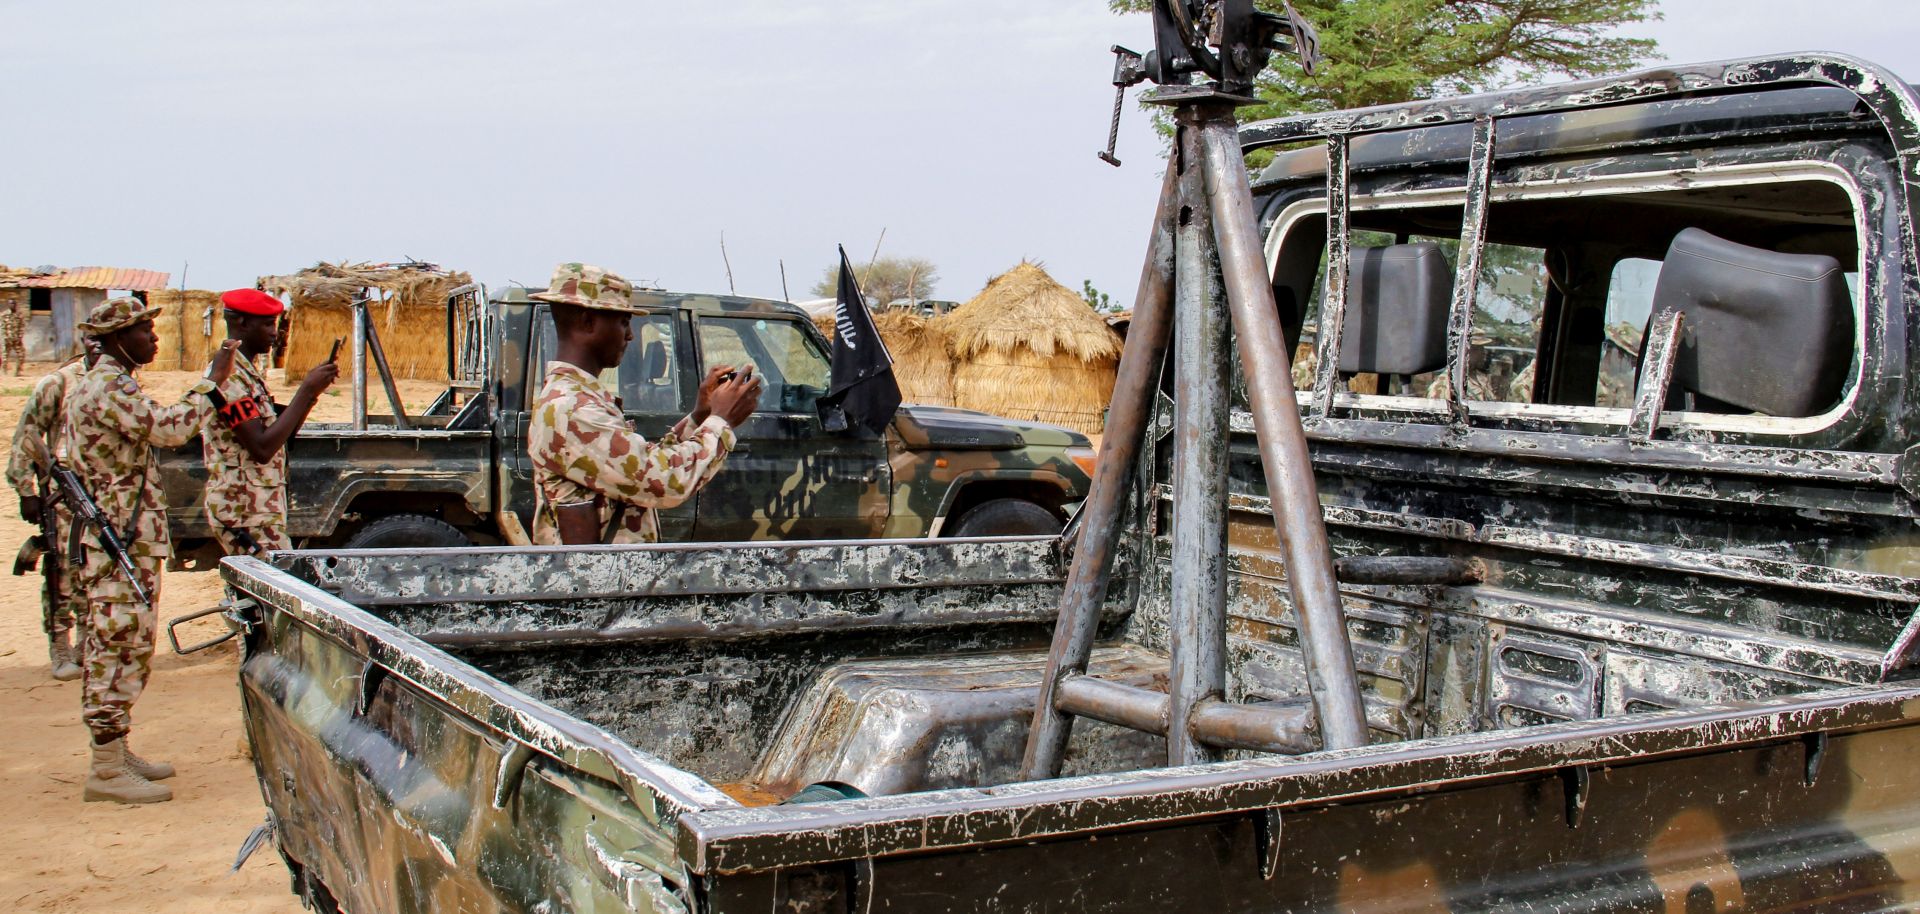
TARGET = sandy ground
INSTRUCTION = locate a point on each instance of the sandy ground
(65, 855)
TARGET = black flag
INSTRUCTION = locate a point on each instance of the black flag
(862, 391)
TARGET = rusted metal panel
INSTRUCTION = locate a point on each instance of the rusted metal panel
(116, 278)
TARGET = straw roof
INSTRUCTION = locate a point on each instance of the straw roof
(1029, 348)
(1024, 309)
(330, 285)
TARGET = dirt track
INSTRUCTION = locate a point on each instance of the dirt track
(172, 858)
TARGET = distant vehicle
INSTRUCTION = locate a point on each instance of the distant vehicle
(453, 477)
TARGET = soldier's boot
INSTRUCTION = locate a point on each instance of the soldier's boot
(113, 780)
(152, 771)
(66, 666)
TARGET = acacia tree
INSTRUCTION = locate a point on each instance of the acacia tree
(1383, 51)
(887, 279)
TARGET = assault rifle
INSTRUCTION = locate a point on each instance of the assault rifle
(41, 551)
(86, 514)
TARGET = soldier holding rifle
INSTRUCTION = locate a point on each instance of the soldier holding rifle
(599, 481)
(111, 430)
(39, 432)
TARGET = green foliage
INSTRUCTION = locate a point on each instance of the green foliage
(1384, 51)
(1096, 299)
(885, 280)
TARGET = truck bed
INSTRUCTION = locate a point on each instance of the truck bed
(625, 728)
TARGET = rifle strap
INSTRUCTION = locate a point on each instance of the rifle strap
(613, 522)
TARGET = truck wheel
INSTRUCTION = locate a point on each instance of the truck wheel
(408, 531)
(1007, 517)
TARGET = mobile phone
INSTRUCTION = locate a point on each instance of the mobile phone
(335, 354)
(726, 376)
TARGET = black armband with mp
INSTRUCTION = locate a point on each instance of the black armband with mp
(233, 413)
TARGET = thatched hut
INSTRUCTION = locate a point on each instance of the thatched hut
(409, 315)
(1029, 348)
(920, 361)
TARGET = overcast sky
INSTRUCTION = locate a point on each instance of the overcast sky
(500, 137)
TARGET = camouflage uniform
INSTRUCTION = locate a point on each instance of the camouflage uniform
(13, 327)
(111, 431)
(584, 451)
(40, 422)
(1479, 386)
(582, 448)
(246, 499)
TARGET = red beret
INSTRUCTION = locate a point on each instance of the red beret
(251, 301)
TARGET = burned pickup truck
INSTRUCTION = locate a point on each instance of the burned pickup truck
(1617, 619)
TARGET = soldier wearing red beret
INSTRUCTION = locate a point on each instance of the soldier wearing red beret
(245, 438)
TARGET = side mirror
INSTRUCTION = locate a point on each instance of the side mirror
(832, 417)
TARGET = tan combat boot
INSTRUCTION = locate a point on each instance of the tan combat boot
(112, 779)
(152, 771)
(66, 665)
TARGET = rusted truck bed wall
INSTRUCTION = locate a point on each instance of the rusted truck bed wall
(694, 653)
(1595, 602)
(1491, 822)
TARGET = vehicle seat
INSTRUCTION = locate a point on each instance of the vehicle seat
(655, 387)
(1763, 332)
(1397, 301)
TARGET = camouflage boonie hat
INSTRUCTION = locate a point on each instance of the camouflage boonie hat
(588, 286)
(116, 314)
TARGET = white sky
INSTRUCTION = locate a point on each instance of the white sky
(500, 137)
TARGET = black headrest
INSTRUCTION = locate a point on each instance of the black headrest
(653, 363)
(1397, 300)
(1764, 332)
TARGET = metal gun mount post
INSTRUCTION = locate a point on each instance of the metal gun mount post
(360, 322)
(1198, 611)
(367, 342)
(1206, 201)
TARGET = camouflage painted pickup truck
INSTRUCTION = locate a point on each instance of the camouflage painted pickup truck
(1641, 654)
(450, 478)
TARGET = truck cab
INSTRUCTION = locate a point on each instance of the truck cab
(789, 477)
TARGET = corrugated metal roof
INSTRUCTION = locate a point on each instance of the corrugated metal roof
(99, 278)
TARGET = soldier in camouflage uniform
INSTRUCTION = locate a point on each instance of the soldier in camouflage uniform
(245, 440)
(13, 328)
(595, 477)
(111, 431)
(39, 433)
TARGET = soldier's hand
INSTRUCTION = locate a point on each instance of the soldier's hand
(30, 508)
(735, 400)
(322, 376)
(703, 401)
(223, 361)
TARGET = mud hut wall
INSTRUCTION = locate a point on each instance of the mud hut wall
(187, 337)
(414, 339)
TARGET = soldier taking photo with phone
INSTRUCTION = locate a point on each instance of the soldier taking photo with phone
(246, 439)
(598, 480)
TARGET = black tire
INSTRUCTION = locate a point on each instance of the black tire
(1007, 517)
(408, 531)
